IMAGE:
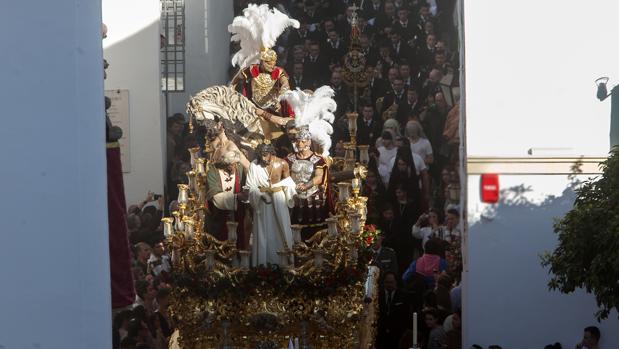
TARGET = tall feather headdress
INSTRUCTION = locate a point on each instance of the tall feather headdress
(257, 31)
(314, 111)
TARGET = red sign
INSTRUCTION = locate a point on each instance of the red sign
(489, 188)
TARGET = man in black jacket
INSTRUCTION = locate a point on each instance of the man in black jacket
(394, 313)
(368, 128)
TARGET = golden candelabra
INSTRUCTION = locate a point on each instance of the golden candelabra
(322, 292)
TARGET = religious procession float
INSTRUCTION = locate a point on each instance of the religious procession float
(268, 251)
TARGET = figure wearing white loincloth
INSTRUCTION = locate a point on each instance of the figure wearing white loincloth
(271, 195)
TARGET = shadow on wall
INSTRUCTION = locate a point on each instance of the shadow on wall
(507, 293)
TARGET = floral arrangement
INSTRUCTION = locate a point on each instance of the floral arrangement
(369, 234)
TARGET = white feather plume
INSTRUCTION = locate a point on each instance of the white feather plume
(315, 111)
(258, 28)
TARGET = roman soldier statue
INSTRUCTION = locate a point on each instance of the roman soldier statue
(309, 163)
(259, 78)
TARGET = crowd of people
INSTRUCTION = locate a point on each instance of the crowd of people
(146, 324)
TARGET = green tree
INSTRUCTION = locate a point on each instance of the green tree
(588, 252)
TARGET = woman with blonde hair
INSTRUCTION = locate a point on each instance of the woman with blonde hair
(392, 126)
(420, 145)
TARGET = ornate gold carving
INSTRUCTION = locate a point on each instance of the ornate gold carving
(264, 91)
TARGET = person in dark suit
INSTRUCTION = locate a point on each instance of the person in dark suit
(370, 52)
(384, 257)
(425, 52)
(316, 64)
(334, 48)
(397, 95)
(387, 17)
(409, 107)
(406, 74)
(368, 128)
(394, 313)
(313, 13)
(298, 79)
(341, 94)
(372, 9)
(404, 25)
(386, 59)
(298, 36)
(400, 48)
(283, 144)
(377, 87)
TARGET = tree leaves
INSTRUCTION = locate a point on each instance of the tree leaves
(588, 252)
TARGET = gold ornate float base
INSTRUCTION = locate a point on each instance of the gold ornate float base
(263, 319)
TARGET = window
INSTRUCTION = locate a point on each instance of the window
(173, 45)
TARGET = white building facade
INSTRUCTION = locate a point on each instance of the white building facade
(530, 112)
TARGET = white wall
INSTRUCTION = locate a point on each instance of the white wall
(54, 239)
(506, 300)
(132, 50)
(530, 68)
(207, 51)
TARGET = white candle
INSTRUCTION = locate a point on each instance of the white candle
(332, 226)
(183, 197)
(364, 156)
(231, 225)
(355, 222)
(344, 191)
(296, 343)
(167, 226)
(200, 169)
(188, 225)
(244, 259)
(296, 233)
(414, 330)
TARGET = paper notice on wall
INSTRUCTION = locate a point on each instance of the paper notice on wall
(119, 116)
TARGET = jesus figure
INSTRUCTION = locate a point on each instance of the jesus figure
(271, 195)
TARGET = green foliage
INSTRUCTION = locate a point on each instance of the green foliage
(588, 252)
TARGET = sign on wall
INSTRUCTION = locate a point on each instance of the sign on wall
(119, 115)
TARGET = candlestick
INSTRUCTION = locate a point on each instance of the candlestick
(191, 176)
(231, 225)
(183, 196)
(356, 186)
(178, 221)
(296, 233)
(168, 230)
(414, 330)
(355, 222)
(244, 259)
(188, 224)
(193, 152)
(364, 155)
(200, 168)
(332, 226)
(352, 124)
(350, 151)
(343, 191)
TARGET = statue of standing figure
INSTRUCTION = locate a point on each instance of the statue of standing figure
(271, 195)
